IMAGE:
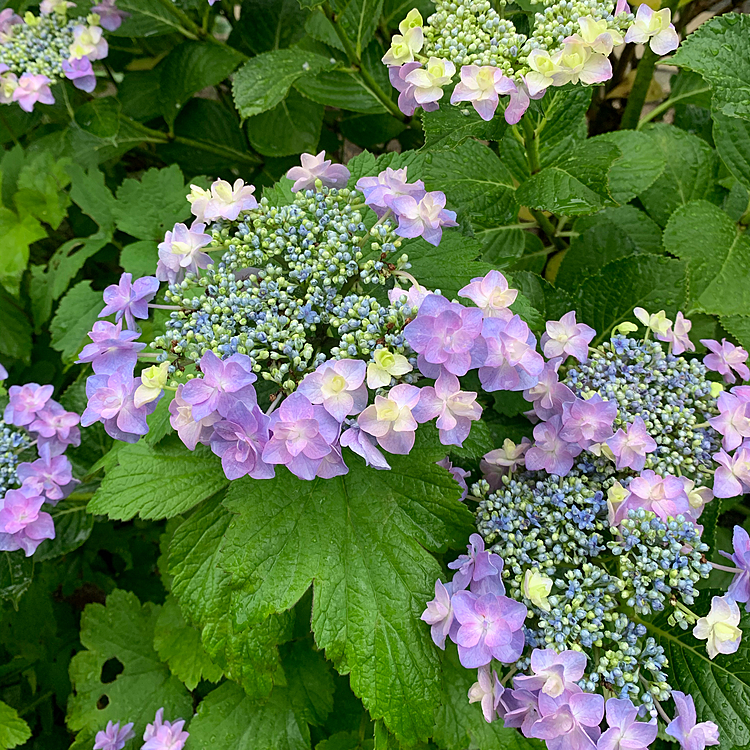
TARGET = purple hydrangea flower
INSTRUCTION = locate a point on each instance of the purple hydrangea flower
(549, 394)
(302, 436)
(25, 402)
(3, 373)
(476, 566)
(732, 476)
(8, 19)
(491, 295)
(733, 421)
(339, 386)
(677, 335)
(574, 725)
(110, 17)
(110, 401)
(458, 474)
(684, 729)
(81, 73)
(588, 422)
(520, 98)
(549, 451)
(180, 253)
(357, 440)
(565, 337)
(455, 409)
(23, 525)
(522, 710)
(191, 432)
(415, 295)
(56, 429)
(511, 362)
(739, 589)
(114, 737)
(129, 298)
(445, 335)
(439, 614)
(664, 496)
(487, 691)
(501, 461)
(631, 446)
(481, 86)
(32, 88)
(390, 419)
(422, 218)
(112, 349)
(47, 477)
(389, 184)
(625, 732)
(554, 673)
(239, 441)
(167, 736)
(407, 101)
(223, 383)
(317, 168)
(726, 357)
(491, 628)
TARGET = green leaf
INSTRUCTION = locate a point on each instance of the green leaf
(147, 18)
(228, 719)
(291, 127)
(720, 51)
(690, 172)
(739, 327)
(262, 82)
(179, 645)
(576, 185)
(122, 630)
(719, 687)
(266, 25)
(551, 302)
(14, 730)
(140, 258)
(248, 654)
(359, 21)
(732, 139)
(16, 573)
(308, 4)
(371, 130)
(394, 11)
(460, 724)
(148, 207)
(136, 486)
(309, 680)
(73, 526)
(611, 234)
(15, 342)
(159, 421)
(717, 253)
(448, 127)
(18, 234)
(76, 314)
(362, 541)
(41, 189)
(341, 89)
(607, 298)
(92, 196)
(638, 167)
(139, 94)
(191, 67)
(100, 117)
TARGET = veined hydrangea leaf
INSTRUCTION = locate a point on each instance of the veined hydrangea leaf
(268, 24)
(732, 139)
(14, 730)
(719, 687)
(248, 654)
(448, 127)
(717, 252)
(157, 481)
(15, 342)
(16, 573)
(362, 541)
(739, 327)
(720, 51)
(76, 314)
(122, 630)
(342, 89)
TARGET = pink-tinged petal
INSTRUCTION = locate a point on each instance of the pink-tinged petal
(665, 41)
(486, 108)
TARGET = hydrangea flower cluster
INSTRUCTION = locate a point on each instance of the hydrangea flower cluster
(569, 42)
(38, 51)
(34, 472)
(160, 735)
(594, 525)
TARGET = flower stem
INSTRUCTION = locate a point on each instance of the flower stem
(725, 568)
(668, 104)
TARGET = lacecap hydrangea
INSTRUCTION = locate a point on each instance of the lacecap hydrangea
(36, 52)
(35, 432)
(593, 526)
(469, 48)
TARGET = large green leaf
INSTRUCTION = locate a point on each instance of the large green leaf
(607, 298)
(16, 339)
(576, 184)
(265, 25)
(262, 82)
(93, 197)
(17, 233)
(345, 90)
(720, 687)
(122, 630)
(690, 173)
(73, 526)
(248, 654)
(720, 51)
(732, 139)
(359, 21)
(158, 481)
(717, 253)
(16, 574)
(362, 541)
(448, 127)
(76, 314)
(14, 730)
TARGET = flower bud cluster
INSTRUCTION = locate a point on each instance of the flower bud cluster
(13, 442)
